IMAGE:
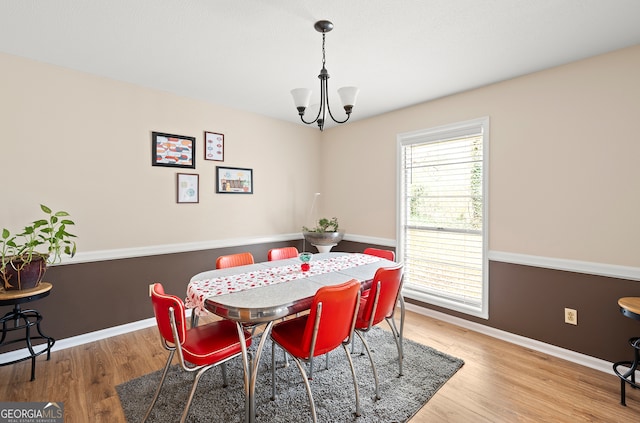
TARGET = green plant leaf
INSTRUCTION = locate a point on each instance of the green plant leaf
(40, 222)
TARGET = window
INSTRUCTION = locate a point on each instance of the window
(442, 215)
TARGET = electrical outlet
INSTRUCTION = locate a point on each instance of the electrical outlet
(571, 316)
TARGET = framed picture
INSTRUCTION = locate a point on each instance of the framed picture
(214, 146)
(234, 180)
(187, 188)
(173, 150)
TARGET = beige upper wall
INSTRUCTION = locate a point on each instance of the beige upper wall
(564, 174)
(564, 161)
(82, 143)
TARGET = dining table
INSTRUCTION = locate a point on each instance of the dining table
(262, 293)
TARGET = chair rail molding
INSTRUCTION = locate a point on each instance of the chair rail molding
(577, 266)
(153, 250)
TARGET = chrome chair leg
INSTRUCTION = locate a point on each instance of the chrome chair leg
(273, 370)
(157, 394)
(353, 346)
(183, 419)
(402, 312)
(373, 366)
(397, 337)
(311, 368)
(305, 379)
(223, 368)
(355, 379)
(194, 318)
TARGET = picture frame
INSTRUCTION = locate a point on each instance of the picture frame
(234, 180)
(187, 188)
(213, 146)
(173, 150)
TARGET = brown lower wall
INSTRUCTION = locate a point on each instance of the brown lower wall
(530, 301)
(88, 297)
(524, 300)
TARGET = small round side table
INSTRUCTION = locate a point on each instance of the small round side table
(629, 307)
(25, 320)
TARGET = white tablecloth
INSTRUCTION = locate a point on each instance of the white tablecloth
(226, 281)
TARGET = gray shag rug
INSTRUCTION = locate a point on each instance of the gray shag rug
(425, 371)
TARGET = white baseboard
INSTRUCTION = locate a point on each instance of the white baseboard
(78, 340)
(572, 356)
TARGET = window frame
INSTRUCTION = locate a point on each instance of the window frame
(443, 133)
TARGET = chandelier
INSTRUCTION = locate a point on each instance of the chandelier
(301, 96)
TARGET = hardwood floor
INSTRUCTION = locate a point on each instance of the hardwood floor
(500, 382)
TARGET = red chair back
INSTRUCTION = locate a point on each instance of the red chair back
(381, 301)
(161, 304)
(385, 254)
(331, 318)
(233, 260)
(282, 253)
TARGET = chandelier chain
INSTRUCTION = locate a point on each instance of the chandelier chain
(323, 58)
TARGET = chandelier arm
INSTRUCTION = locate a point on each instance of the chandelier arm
(326, 96)
(311, 121)
(322, 97)
(331, 114)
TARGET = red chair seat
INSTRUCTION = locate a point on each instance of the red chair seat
(212, 342)
(289, 333)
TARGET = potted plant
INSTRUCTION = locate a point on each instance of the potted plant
(325, 234)
(24, 257)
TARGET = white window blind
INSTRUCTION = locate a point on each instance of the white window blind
(442, 238)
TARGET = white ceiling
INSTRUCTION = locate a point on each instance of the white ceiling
(248, 54)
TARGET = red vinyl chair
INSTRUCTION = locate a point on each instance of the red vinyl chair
(282, 253)
(389, 255)
(385, 254)
(233, 260)
(199, 348)
(380, 305)
(328, 325)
